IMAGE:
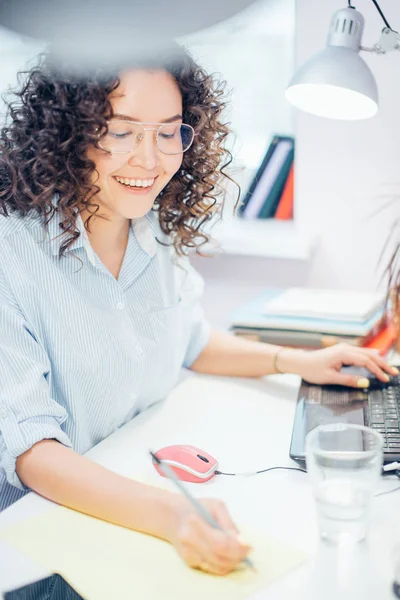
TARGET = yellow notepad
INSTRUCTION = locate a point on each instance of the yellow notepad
(104, 561)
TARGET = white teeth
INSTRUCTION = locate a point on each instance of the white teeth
(135, 182)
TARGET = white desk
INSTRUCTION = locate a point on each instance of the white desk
(246, 427)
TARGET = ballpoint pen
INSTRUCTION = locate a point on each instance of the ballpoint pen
(169, 473)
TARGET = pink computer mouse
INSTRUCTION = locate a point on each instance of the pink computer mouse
(188, 462)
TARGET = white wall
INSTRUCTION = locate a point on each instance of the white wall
(253, 51)
(344, 172)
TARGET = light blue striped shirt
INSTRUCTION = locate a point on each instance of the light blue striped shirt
(82, 353)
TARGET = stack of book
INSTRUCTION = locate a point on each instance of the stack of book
(270, 194)
(316, 318)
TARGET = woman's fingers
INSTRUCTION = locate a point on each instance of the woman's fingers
(221, 514)
(376, 365)
(207, 548)
(367, 362)
(222, 547)
(209, 566)
(384, 365)
(338, 378)
(204, 562)
(325, 366)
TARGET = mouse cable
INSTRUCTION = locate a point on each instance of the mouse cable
(249, 473)
(388, 491)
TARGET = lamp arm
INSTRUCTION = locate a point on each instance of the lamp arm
(389, 40)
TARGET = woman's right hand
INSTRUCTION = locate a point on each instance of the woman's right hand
(204, 547)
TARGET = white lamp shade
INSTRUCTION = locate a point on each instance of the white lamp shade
(336, 83)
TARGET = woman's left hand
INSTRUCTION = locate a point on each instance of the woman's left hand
(323, 366)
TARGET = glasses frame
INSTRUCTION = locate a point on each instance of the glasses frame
(158, 127)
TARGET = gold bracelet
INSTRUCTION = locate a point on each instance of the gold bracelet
(275, 360)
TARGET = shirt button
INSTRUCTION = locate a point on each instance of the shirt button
(3, 412)
(120, 305)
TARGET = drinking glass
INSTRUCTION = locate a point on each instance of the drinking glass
(344, 462)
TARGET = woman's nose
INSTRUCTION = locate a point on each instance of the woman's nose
(147, 152)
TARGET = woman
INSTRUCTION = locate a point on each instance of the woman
(105, 183)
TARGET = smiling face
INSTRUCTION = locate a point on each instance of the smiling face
(147, 97)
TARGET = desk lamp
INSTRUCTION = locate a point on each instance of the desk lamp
(337, 83)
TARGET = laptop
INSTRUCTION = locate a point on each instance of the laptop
(377, 406)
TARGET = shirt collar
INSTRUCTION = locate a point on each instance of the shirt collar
(145, 234)
(142, 228)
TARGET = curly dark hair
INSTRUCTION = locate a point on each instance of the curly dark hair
(55, 119)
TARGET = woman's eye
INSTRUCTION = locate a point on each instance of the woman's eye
(119, 135)
(167, 136)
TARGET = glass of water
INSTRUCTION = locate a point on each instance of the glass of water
(344, 462)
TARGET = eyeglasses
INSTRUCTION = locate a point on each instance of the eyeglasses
(125, 136)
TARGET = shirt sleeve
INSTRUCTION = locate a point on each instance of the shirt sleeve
(28, 414)
(200, 329)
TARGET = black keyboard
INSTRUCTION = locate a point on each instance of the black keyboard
(384, 412)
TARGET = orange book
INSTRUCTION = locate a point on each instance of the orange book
(285, 206)
(384, 340)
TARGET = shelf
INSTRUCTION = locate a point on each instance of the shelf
(269, 238)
